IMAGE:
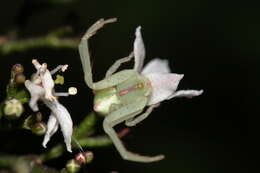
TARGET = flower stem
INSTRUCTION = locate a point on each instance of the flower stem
(86, 126)
(51, 40)
(90, 142)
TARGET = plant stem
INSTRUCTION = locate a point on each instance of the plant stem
(86, 126)
(89, 142)
(51, 40)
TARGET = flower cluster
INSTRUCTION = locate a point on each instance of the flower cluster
(41, 87)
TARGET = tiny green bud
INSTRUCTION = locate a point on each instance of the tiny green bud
(38, 116)
(39, 128)
(13, 109)
(73, 166)
(19, 78)
(17, 68)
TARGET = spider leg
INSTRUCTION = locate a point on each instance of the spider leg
(134, 121)
(116, 65)
(84, 50)
(119, 116)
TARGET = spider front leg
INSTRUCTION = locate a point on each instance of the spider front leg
(84, 50)
(117, 64)
(121, 115)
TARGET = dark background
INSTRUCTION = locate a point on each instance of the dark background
(214, 43)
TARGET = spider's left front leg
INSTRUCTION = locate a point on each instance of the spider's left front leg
(117, 64)
(120, 115)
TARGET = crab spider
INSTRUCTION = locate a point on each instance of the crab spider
(123, 95)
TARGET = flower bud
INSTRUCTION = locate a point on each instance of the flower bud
(17, 68)
(39, 128)
(19, 78)
(72, 166)
(38, 116)
(84, 157)
(13, 109)
(89, 156)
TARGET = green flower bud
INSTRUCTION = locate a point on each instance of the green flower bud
(19, 78)
(72, 166)
(38, 116)
(39, 128)
(13, 109)
(17, 68)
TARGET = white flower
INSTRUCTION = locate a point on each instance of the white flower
(164, 83)
(42, 88)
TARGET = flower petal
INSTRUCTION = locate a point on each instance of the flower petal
(186, 93)
(48, 84)
(156, 66)
(52, 127)
(139, 50)
(64, 119)
(163, 86)
(36, 92)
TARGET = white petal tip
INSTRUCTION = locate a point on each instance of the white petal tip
(44, 145)
(200, 92)
(138, 30)
(180, 76)
(69, 149)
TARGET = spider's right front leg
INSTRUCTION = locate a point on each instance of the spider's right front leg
(84, 50)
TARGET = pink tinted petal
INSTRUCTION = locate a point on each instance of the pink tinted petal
(186, 93)
(139, 50)
(52, 127)
(156, 66)
(163, 86)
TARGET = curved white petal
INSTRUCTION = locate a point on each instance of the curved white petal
(156, 66)
(186, 93)
(163, 86)
(48, 84)
(64, 119)
(139, 50)
(36, 93)
(52, 127)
